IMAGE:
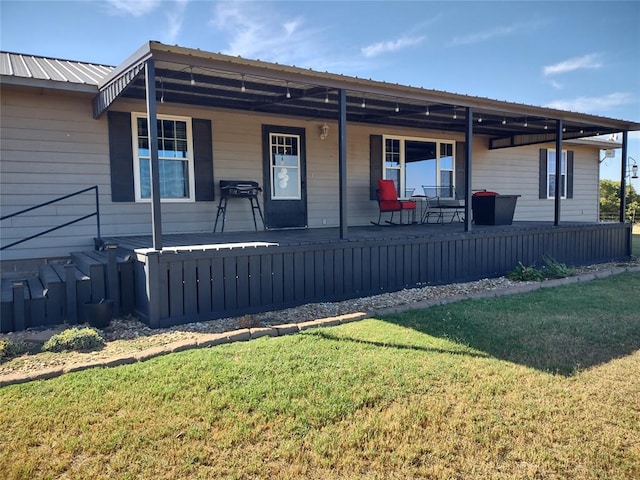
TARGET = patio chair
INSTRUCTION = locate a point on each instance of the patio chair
(388, 202)
(438, 204)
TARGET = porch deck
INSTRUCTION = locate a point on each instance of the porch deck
(317, 236)
(212, 275)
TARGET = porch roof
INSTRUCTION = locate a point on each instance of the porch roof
(196, 77)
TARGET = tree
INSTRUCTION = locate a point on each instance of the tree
(610, 201)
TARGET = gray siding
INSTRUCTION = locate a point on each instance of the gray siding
(52, 146)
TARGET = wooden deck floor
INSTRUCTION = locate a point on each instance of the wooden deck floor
(324, 235)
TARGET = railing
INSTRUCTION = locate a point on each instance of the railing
(96, 213)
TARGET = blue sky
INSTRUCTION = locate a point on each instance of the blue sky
(577, 55)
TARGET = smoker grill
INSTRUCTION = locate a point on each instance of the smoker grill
(238, 189)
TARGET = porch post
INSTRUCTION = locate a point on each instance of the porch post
(152, 125)
(342, 162)
(556, 216)
(467, 169)
(623, 178)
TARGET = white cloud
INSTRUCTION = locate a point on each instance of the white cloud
(380, 48)
(256, 30)
(175, 19)
(137, 8)
(483, 36)
(590, 61)
(557, 85)
(593, 104)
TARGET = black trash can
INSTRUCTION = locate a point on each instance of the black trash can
(491, 208)
(99, 314)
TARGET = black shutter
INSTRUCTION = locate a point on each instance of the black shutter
(570, 174)
(542, 182)
(121, 157)
(203, 159)
(375, 164)
(461, 177)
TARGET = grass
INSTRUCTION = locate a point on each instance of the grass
(542, 385)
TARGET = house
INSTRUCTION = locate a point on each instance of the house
(148, 142)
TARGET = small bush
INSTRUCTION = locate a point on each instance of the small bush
(525, 274)
(74, 339)
(10, 349)
(554, 269)
(550, 269)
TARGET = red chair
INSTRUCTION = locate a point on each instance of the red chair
(388, 202)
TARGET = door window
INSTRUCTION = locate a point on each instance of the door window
(285, 167)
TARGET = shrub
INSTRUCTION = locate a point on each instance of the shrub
(74, 339)
(550, 269)
(525, 274)
(554, 269)
(10, 349)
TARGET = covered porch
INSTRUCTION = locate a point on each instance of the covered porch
(198, 277)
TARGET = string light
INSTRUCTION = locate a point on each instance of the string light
(161, 91)
(193, 81)
(326, 97)
(242, 87)
(426, 112)
(288, 92)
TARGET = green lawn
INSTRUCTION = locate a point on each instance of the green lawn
(541, 385)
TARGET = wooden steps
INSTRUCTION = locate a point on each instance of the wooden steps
(56, 293)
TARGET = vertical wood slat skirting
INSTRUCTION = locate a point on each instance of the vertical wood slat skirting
(207, 284)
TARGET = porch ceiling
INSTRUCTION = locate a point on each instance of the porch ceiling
(194, 77)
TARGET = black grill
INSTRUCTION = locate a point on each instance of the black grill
(239, 188)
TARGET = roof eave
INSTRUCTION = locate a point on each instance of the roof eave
(48, 84)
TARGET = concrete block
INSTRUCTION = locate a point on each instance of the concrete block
(286, 329)
(263, 332)
(182, 345)
(212, 339)
(241, 335)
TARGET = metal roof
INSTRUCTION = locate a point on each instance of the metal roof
(18, 68)
(195, 77)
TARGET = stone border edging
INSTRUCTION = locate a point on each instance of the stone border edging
(212, 339)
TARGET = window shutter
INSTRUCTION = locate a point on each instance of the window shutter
(543, 174)
(461, 177)
(375, 164)
(570, 174)
(121, 157)
(203, 159)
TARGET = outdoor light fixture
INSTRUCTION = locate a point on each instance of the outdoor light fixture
(504, 121)
(480, 119)
(161, 91)
(363, 105)
(242, 87)
(526, 123)
(324, 131)
(326, 98)
(193, 82)
(288, 92)
(634, 168)
(455, 113)
(397, 108)
(426, 112)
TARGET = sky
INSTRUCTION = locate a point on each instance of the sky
(581, 55)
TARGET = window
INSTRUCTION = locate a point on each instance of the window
(175, 154)
(551, 174)
(285, 167)
(413, 163)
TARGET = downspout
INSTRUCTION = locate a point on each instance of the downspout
(152, 125)
(558, 193)
(342, 162)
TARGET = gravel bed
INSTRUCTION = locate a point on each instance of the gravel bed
(129, 335)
